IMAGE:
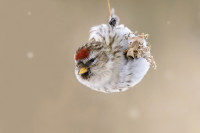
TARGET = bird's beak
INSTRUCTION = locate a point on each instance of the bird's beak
(83, 70)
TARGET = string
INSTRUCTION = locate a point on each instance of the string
(109, 7)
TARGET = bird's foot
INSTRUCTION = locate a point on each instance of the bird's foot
(113, 19)
(113, 22)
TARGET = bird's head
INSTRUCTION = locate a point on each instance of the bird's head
(92, 62)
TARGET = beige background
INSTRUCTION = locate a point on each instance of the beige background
(38, 89)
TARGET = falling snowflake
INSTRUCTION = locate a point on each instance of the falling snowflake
(29, 13)
(168, 22)
(134, 113)
(30, 55)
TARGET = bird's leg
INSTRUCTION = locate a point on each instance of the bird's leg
(113, 19)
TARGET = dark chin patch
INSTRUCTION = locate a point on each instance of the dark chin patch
(85, 75)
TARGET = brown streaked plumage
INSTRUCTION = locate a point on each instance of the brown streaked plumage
(102, 64)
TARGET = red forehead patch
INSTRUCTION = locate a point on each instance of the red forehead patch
(82, 54)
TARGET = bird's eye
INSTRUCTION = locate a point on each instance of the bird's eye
(80, 62)
(92, 60)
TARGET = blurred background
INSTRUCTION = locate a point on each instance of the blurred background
(39, 92)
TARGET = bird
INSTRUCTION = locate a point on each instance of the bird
(104, 62)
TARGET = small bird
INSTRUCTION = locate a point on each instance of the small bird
(105, 62)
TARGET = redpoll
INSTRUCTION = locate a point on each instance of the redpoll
(113, 59)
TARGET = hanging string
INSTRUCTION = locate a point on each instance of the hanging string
(109, 7)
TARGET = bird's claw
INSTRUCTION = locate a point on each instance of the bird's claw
(113, 22)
